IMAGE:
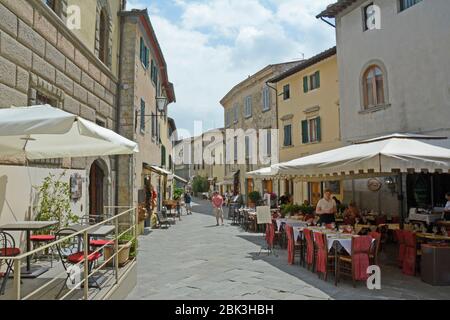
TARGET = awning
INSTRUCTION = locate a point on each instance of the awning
(179, 179)
(388, 156)
(45, 132)
(225, 183)
(264, 173)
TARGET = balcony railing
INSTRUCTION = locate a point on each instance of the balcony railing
(125, 223)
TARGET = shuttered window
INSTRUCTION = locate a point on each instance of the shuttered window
(286, 92)
(266, 99)
(248, 107)
(287, 135)
(305, 84)
(315, 81)
(311, 130)
(142, 116)
(405, 4)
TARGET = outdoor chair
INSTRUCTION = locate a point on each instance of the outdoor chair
(355, 266)
(324, 260)
(7, 249)
(310, 256)
(375, 249)
(401, 246)
(279, 234)
(294, 248)
(71, 253)
(163, 221)
(411, 253)
(43, 239)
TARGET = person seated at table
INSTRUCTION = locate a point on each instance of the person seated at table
(284, 199)
(351, 213)
(326, 208)
(306, 203)
(446, 215)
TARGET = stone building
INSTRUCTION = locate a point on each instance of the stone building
(251, 104)
(144, 84)
(65, 53)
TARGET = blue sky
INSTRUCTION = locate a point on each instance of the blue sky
(211, 45)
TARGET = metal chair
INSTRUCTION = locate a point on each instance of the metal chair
(7, 249)
(71, 253)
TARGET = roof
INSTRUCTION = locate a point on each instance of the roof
(252, 77)
(404, 136)
(334, 9)
(306, 64)
(145, 20)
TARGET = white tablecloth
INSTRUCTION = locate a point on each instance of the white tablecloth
(293, 223)
(428, 218)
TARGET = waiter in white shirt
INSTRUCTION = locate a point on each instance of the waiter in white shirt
(446, 215)
(326, 208)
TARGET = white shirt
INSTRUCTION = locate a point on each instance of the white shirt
(326, 206)
(447, 206)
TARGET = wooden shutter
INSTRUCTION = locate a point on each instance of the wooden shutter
(305, 135)
(142, 50)
(317, 79)
(318, 130)
(305, 84)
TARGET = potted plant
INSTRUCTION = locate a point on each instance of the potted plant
(254, 197)
(127, 250)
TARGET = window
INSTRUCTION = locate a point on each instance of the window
(142, 116)
(153, 125)
(101, 123)
(43, 99)
(373, 87)
(269, 143)
(266, 99)
(227, 118)
(247, 147)
(286, 92)
(405, 4)
(51, 4)
(288, 135)
(248, 107)
(144, 54)
(235, 148)
(236, 113)
(311, 82)
(367, 14)
(163, 156)
(311, 130)
(103, 39)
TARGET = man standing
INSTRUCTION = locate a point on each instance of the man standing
(326, 208)
(187, 201)
(217, 203)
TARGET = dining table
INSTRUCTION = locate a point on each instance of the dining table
(29, 271)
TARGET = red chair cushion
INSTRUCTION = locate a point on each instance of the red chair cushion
(360, 256)
(291, 244)
(322, 254)
(43, 238)
(101, 243)
(9, 252)
(79, 256)
(309, 246)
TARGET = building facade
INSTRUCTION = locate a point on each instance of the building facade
(144, 85)
(251, 104)
(394, 77)
(64, 53)
(308, 117)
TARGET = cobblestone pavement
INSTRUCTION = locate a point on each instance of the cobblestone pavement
(195, 260)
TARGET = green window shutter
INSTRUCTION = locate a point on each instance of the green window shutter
(147, 56)
(305, 84)
(305, 138)
(318, 79)
(152, 69)
(142, 50)
(319, 130)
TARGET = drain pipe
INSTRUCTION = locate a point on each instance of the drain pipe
(276, 126)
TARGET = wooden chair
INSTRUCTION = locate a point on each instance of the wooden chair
(278, 238)
(355, 266)
(375, 248)
(324, 260)
(310, 250)
(293, 247)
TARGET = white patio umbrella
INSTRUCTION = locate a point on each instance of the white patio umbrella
(374, 156)
(45, 132)
(264, 173)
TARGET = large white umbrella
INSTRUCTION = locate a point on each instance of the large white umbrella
(264, 173)
(45, 132)
(379, 156)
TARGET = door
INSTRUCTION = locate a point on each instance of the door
(315, 189)
(96, 190)
(268, 186)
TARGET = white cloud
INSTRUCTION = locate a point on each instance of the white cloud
(211, 45)
(136, 4)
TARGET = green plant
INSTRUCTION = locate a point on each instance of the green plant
(254, 196)
(177, 193)
(126, 238)
(54, 201)
(200, 184)
(305, 209)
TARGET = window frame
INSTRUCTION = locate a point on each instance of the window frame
(236, 113)
(286, 92)
(248, 108)
(375, 89)
(142, 119)
(285, 144)
(266, 99)
(402, 7)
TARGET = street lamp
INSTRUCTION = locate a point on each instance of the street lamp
(161, 104)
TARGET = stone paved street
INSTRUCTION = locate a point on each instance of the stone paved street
(195, 260)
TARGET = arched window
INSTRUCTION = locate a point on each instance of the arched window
(103, 37)
(374, 87)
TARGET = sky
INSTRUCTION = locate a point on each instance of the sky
(211, 45)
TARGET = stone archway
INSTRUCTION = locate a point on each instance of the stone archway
(99, 177)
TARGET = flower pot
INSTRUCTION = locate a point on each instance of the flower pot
(124, 254)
